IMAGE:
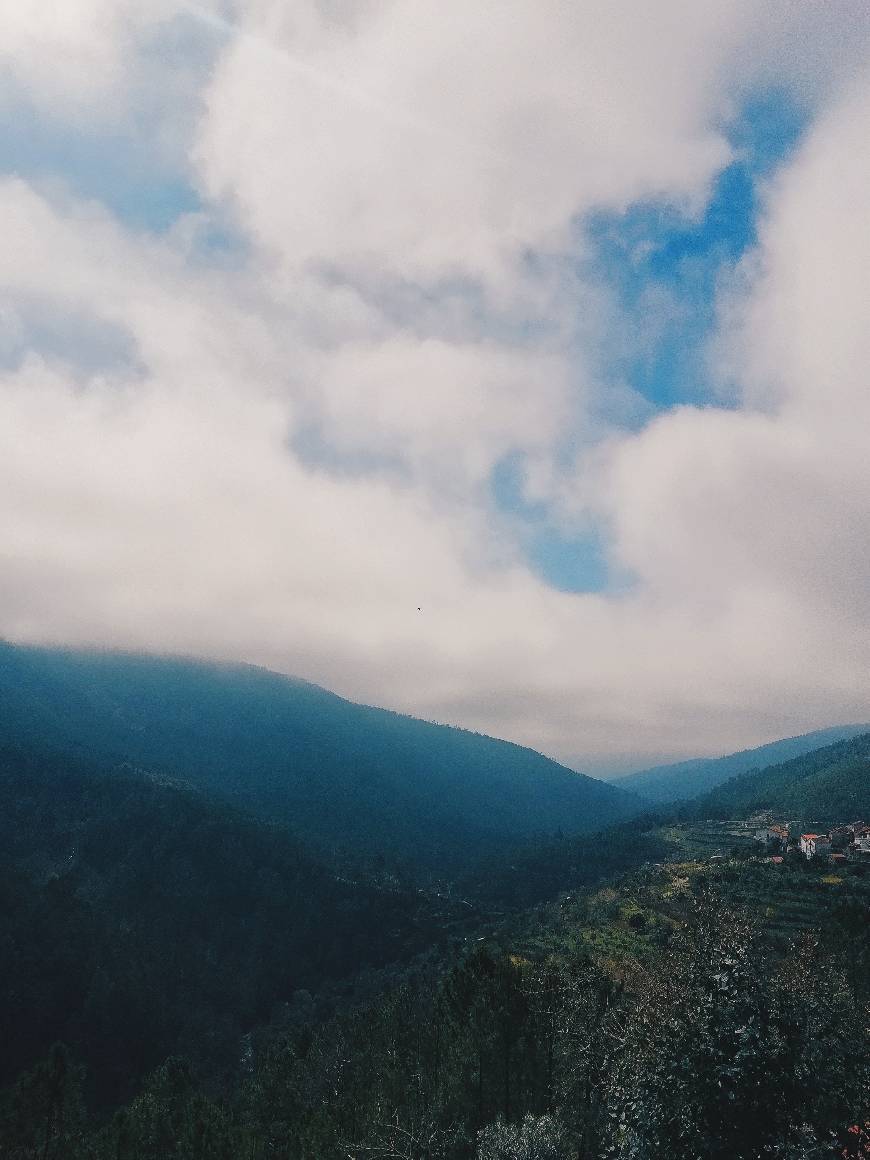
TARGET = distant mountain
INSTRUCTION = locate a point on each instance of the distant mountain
(829, 785)
(342, 775)
(688, 779)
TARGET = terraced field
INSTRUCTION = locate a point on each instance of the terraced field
(706, 840)
(633, 916)
(790, 900)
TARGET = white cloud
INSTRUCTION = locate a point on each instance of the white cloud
(804, 344)
(439, 140)
(74, 57)
(389, 165)
(439, 406)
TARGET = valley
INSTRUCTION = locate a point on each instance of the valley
(189, 971)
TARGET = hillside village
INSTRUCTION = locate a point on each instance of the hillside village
(844, 842)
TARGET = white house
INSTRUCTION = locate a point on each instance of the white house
(805, 841)
(817, 844)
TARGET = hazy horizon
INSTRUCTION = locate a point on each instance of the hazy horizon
(614, 769)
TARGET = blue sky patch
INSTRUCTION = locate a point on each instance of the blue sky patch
(568, 561)
(664, 270)
(111, 168)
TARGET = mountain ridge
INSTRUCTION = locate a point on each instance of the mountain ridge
(683, 780)
(331, 769)
(826, 786)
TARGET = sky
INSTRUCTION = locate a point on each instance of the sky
(505, 364)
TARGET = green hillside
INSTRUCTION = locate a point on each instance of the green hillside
(829, 785)
(139, 920)
(684, 1009)
(688, 779)
(341, 775)
(184, 979)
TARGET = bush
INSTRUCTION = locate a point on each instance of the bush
(536, 1138)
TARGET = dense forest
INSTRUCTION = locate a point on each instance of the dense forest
(694, 1036)
(827, 786)
(139, 920)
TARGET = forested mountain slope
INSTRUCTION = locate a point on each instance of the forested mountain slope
(650, 1017)
(340, 774)
(826, 786)
(688, 779)
(138, 919)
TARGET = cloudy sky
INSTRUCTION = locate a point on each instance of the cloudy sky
(505, 363)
